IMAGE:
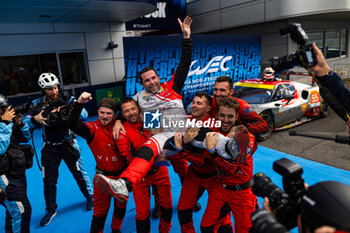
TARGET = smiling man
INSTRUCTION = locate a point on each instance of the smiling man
(223, 87)
(128, 143)
(235, 174)
(109, 162)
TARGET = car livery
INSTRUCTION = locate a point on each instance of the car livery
(282, 103)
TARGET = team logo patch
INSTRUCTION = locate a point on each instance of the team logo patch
(249, 150)
(248, 110)
(152, 120)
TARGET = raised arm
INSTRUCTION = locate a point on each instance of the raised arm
(186, 55)
(73, 121)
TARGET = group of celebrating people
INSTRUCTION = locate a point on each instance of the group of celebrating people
(128, 155)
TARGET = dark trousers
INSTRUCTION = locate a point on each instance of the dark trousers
(51, 157)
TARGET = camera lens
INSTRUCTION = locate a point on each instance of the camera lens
(280, 64)
(265, 222)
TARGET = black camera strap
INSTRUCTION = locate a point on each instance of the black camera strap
(36, 155)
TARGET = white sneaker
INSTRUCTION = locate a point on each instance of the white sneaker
(116, 188)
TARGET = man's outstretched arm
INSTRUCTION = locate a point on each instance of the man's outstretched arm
(186, 55)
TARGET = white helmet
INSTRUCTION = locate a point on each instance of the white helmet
(47, 80)
(268, 73)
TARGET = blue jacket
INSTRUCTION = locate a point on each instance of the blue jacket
(6, 129)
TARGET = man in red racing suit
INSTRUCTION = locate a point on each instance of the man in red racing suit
(223, 87)
(202, 173)
(236, 175)
(164, 98)
(99, 136)
(157, 177)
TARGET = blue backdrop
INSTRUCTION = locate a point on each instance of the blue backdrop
(213, 56)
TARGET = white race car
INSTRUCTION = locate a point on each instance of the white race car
(282, 104)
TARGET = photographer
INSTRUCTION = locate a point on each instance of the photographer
(308, 56)
(58, 144)
(331, 81)
(12, 169)
(324, 208)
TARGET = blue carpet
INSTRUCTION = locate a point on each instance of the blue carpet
(73, 217)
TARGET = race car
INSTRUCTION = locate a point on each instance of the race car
(282, 104)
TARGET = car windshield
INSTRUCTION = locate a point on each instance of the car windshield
(252, 95)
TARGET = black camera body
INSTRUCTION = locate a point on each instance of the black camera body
(53, 117)
(286, 204)
(304, 56)
(22, 109)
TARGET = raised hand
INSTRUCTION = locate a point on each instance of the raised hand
(8, 115)
(185, 26)
(85, 97)
(321, 69)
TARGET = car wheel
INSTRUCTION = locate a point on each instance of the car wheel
(324, 109)
(268, 117)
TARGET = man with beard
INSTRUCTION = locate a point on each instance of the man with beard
(202, 173)
(223, 87)
(59, 145)
(109, 162)
(236, 174)
(157, 177)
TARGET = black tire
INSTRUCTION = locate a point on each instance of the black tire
(268, 117)
(324, 109)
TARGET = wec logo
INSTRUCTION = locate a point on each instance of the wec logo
(214, 65)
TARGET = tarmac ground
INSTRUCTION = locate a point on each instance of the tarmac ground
(324, 151)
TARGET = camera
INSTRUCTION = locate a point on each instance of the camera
(21, 109)
(53, 117)
(265, 221)
(304, 56)
(286, 204)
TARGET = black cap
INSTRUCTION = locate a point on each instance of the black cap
(326, 204)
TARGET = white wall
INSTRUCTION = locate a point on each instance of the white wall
(266, 17)
(104, 64)
(209, 15)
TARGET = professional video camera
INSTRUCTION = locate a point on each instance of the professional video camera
(304, 56)
(286, 204)
(53, 117)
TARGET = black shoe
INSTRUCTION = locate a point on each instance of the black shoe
(47, 218)
(155, 212)
(89, 203)
(197, 207)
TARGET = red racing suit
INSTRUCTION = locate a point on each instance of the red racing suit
(157, 177)
(255, 124)
(233, 189)
(168, 101)
(109, 162)
(180, 165)
(202, 174)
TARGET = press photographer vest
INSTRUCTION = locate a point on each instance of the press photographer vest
(16, 159)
